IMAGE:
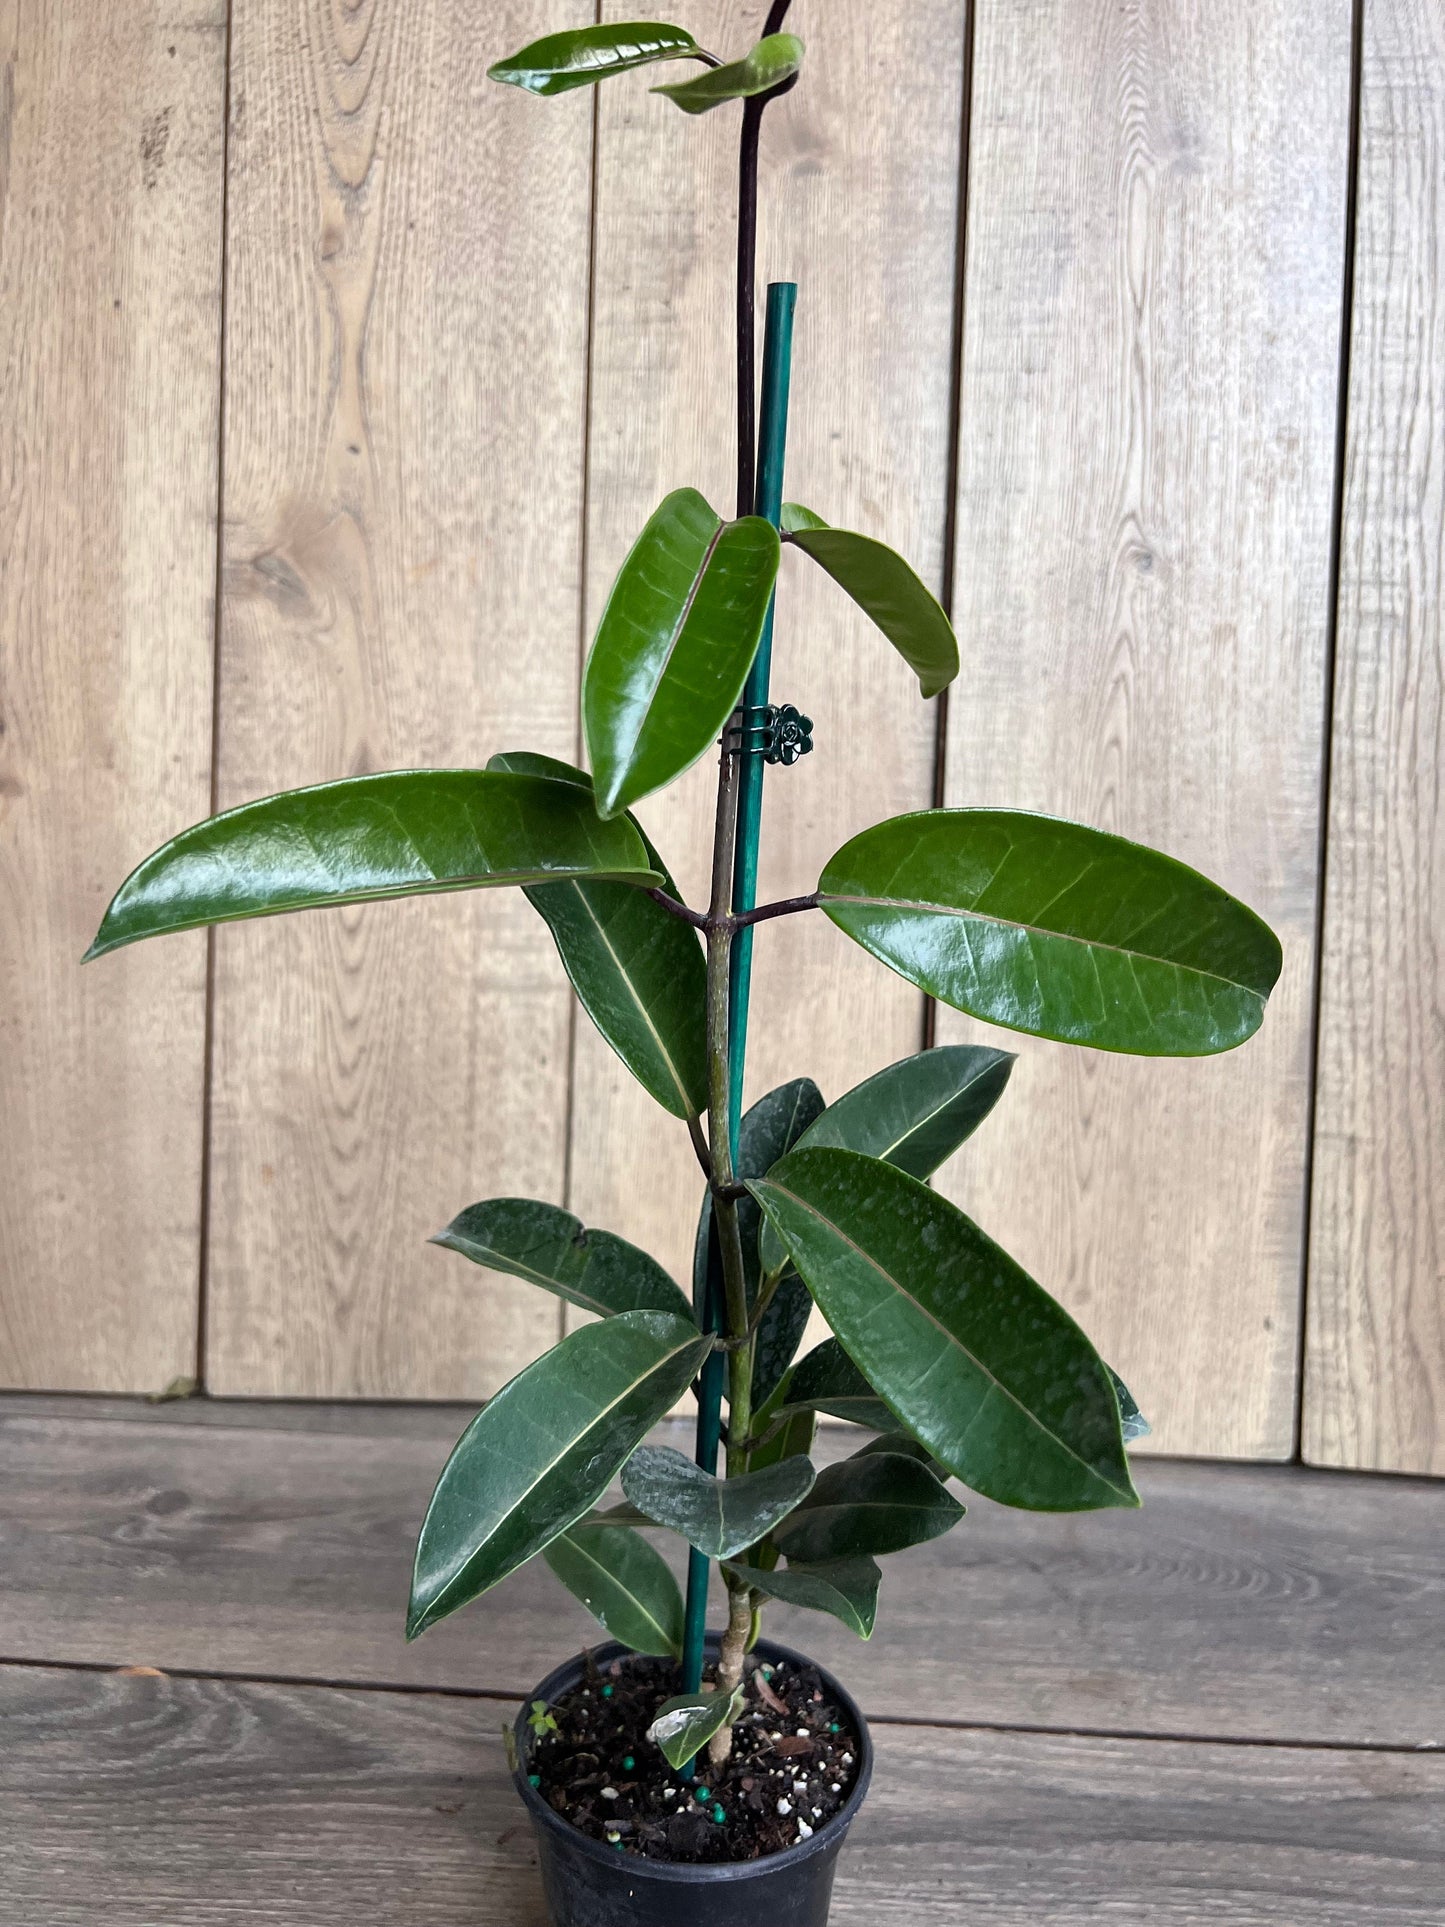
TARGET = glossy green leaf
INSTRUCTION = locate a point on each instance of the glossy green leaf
(827, 1380)
(772, 61)
(674, 646)
(915, 1114)
(867, 1507)
(721, 1517)
(1055, 929)
(767, 1130)
(905, 1445)
(684, 1725)
(977, 1360)
(846, 1588)
(625, 1584)
(549, 1247)
(638, 971)
(561, 61)
(541, 1453)
(404, 833)
(1131, 1419)
(886, 589)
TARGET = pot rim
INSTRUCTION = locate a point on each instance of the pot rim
(692, 1873)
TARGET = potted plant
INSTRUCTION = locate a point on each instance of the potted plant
(671, 1775)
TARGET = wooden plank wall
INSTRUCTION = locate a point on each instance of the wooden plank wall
(1375, 1385)
(1146, 482)
(110, 273)
(469, 340)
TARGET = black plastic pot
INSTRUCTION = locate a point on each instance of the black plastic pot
(591, 1885)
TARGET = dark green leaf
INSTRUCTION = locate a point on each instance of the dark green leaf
(975, 1358)
(674, 646)
(868, 1506)
(625, 1584)
(562, 61)
(915, 1114)
(847, 1588)
(684, 1725)
(827, 1380)
(638, 971)
(549, 1247)
(887, 590)
(774, 60)
(401, 834)
(1131, 1419)
(1055, 929)
(721, 1517)
(543, 1451)
(905, 1446)
(767, 1130)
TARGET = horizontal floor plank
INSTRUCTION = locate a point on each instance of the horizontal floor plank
(201, 1802)
(1241, 1602)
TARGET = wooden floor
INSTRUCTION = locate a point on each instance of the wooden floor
(1227, 1708)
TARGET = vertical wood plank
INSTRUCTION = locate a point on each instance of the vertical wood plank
(404, 442)
(1152, 314)
(1375, 1372)
(111, 124)
(859, 206)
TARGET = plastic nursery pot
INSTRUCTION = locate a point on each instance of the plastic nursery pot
(588, 1884)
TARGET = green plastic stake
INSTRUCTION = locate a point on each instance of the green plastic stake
(772, 444)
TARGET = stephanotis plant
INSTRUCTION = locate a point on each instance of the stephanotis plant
(943, 1347)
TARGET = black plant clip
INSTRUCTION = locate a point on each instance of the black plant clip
(778, 733)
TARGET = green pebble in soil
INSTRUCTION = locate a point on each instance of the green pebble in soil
(534, 1779)
(702, 1796)
(607, 1692)
(628, 1762)
(718, 1815)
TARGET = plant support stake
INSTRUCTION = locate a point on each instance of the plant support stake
(772, 440)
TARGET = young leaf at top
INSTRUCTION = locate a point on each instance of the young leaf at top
(625, 1584)
(674, 645)
(1055, 929)
(914, 1114)
(561, 61)
(827, 1380)
(638, 971)
(867, 1507)
(404, 833)
(846, 1588)
(539, 1455)
(685, 1725)
(768, 1129)
(549, 1247)
(886, 589)
(977, 1360)
(721, 1517)
(772, 61)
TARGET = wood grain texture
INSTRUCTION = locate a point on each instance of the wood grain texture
(1242, 1602)
(1149, 384)
(406, 365)
(1375, 1375)
(111, 123)
(872, 250)
(201, 1801)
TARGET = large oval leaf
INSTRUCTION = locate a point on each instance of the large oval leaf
(625, 1584)
(561, 61)
(768, 1129)
(846, 1588)
(1055, 929)
(540, 1454)
(887, 590)
(773, 60)
(403, 833)
(674, 646)
(865, 1508)
(638, 971)
(721, 1517)
(549, 1247)
(915, 1114)
(977, 1360)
